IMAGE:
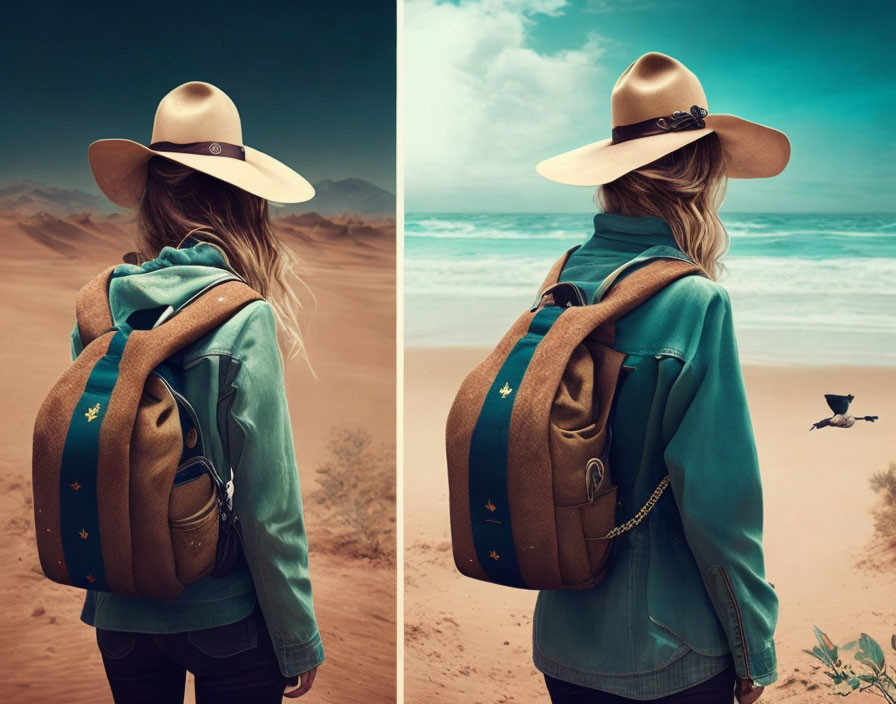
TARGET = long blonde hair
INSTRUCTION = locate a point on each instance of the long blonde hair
(685, 188)
(179, 201)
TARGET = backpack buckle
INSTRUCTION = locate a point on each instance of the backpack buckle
(594, 475)
(564, 294)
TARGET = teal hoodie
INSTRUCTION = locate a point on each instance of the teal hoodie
(233, 377)
(685, 593)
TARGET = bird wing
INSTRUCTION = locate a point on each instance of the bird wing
(837, 403)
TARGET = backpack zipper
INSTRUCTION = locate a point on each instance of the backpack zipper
(186, 404)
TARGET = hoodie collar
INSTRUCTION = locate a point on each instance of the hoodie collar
(171, 279)
(639, 232)
(190, 251)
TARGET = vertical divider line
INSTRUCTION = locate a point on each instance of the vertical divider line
(399, 351)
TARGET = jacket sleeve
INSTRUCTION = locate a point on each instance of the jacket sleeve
(75, 342)
(267, 496)
(714, 475)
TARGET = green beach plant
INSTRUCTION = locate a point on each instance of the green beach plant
(845, 679)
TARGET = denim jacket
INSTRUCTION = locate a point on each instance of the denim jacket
(234, 380)
(685, 593)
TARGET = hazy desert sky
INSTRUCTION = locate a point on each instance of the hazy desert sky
(314, 81)
(494, 86)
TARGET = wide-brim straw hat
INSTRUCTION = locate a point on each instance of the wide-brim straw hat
(196, 125)
(658, 105)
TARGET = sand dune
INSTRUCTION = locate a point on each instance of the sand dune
(46, 653)
(470, 642)
(75, 236)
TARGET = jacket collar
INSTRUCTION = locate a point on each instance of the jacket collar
(641, 231)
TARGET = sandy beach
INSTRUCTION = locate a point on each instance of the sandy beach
(470, 642)
(46, 652)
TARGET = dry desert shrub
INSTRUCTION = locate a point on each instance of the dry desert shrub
(357, 494)
(884, 483)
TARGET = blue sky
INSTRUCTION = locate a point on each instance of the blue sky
(819, 71)
(314, 81)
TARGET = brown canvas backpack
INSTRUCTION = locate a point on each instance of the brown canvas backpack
(125, 498)
(531, 495)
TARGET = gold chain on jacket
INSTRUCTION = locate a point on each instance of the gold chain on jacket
(640, 515)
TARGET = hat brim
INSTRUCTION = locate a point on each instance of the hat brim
(119, 167)
(751, 151)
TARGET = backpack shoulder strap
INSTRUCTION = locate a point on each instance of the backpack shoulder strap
(659, 252)
(92, 307)
(624, 296)
(598, 319)
(621, 297)
(190, 322)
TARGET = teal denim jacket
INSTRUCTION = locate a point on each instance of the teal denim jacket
(234, 380)
(686, 591)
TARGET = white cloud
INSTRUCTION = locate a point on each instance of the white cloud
(482, 106)
(528, 7)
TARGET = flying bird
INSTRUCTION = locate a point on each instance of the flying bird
(841, 419)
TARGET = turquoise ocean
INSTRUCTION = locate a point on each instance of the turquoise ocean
(805, 288)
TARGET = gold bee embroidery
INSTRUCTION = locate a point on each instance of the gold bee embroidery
(505, 390)
(75, 486)
(492, 554)
(92, 412)
(83, 534)
(91, 578)
(490, 506)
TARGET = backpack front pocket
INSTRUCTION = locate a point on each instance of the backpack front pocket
(193, 518)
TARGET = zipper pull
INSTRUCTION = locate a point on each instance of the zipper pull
(163, 317)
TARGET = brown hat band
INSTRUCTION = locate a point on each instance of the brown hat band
(676, 122)
(234, 151)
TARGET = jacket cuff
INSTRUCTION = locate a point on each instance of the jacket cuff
(764, 664)
(296, 659)
(753, 658)
(766, 679)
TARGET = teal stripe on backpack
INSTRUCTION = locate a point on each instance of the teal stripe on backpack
(492, 534)
(78, 490)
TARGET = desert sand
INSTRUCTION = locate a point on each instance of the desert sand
(46, 652)
(469, 642)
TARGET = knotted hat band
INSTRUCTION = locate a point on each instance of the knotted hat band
(679, 120)
(234, 151)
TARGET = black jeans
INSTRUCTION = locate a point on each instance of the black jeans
(234, 664)
(716, 690)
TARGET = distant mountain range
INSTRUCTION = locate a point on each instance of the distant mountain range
(32, 198)
(352, 195)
